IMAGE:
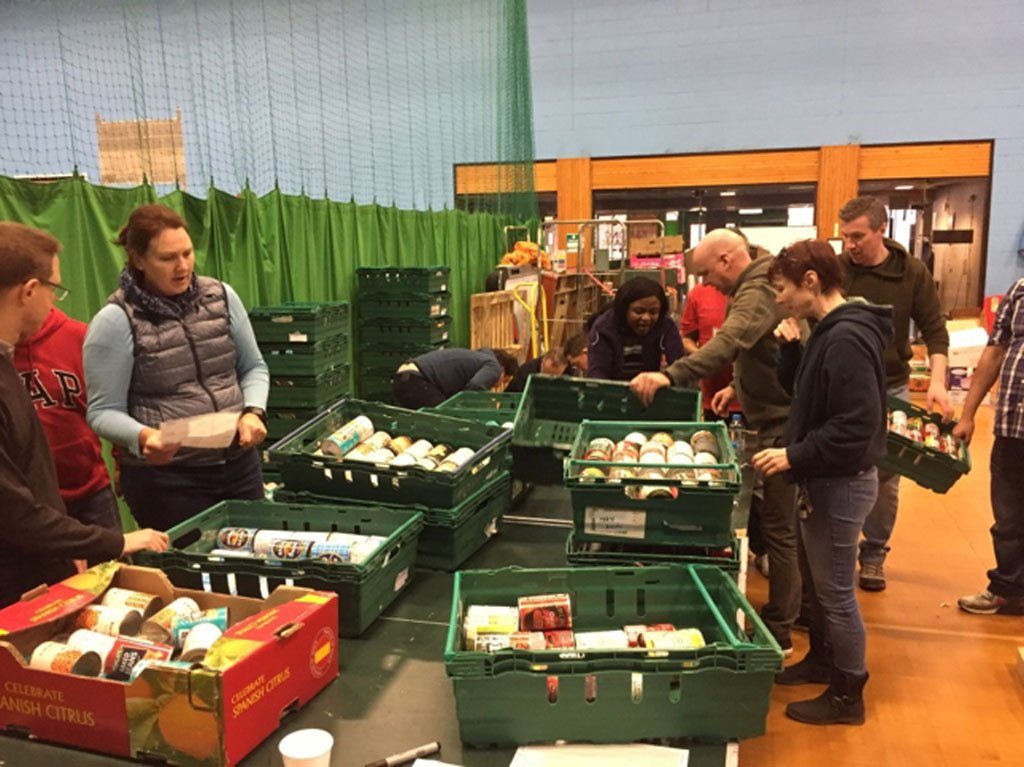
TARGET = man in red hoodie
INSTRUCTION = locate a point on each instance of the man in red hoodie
(50, 365)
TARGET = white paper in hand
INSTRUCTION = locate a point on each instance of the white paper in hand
(210, 430)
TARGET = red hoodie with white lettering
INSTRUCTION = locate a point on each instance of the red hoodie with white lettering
(50, 364)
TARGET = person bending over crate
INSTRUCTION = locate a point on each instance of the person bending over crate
(170, 344)
(431, 378)
(39, 541)
(551, 364)
(634, 334)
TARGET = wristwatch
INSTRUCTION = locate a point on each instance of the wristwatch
(256, 411)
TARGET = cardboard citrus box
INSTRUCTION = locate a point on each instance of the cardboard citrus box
(275, 656)
(652, 246)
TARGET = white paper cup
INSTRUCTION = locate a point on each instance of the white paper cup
(306, 748)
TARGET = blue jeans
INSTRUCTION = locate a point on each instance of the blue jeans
(1007, 578)
(828, 538)
(881, 521)
(163, 496)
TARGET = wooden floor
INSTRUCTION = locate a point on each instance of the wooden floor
(944, 688)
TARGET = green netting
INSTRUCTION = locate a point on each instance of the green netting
(272, 248)
(364, 100)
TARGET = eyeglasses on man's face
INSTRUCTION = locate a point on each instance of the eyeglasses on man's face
(59, 291)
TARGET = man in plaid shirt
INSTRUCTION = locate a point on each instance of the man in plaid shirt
(1003, 357)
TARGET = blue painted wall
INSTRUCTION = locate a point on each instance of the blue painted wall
(621, 78)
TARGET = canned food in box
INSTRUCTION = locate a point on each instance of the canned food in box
(198, 641)
(400, 444)
(158, 628)
(601, 444)
(180, 627)
(592, 472)
(439, 452)
(663, 438)
(653, 448)
(61, 659)
(545, 612)
(457, 460)
(419, 449)
(704, 442)
(146, 604)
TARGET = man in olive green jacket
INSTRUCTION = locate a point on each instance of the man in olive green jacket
(881, 270)
(746, 340)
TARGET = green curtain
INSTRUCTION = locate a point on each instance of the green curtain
(270, 249)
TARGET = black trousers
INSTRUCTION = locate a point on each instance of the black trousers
(413, 391)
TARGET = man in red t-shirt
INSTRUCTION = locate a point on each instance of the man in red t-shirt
(50, 365)
(703, 314)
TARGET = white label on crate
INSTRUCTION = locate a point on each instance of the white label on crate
(401, 579)
(636, 687)
(435, 310)
(264, 587)
(232, 585)
(618, 523)
(328, 473)
(444, 287)
(297, 338)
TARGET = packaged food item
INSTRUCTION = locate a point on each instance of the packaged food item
(562, 639)
(119, 654)
(158, 664)
(427, 463)
(592, 472)
(347, 437)
(651, 492)
(419, 449)
(635, 632)
(378, 440)
(931, 429)
(488, 619)
(404, 460)
(61, 659)
(181, 626)
(111, 621)
(400, 444)
(654, 449)
(620, 473)
(239, 538)
(705, 458)
(146, 604)
(158, 627)
(198, 641)
(545, 612)
(704, 442)
(652, 458)
(680, 639)
(636, 438)
(491, 642)
(457, 460)
(602, 640)
(680, 452)
(381, 455)
(600, 445)
(663, 438)
(346, 548)
(528, 640)
(280, 544)
(948, 444)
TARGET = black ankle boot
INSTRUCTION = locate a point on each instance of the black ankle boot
(811, 669)
(841, 703)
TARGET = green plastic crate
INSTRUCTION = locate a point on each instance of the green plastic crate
(299, 322)
(365, 590)
(356, 480)
(484, 406)
(716, 693)
(308, 391)
(306, 359)
(698, 515)
(282, 422)
(424, 330)
(426, 279)
(404, 305)
(450, 536)
(388, 357)
(589, 554)
(553, 407)
(929, 468)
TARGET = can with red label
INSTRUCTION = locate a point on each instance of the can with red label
(545, 612)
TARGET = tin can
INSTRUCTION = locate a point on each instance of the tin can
(602, 640)
(427, 463)
(655, 459)
(915, 435)
(663, 438)
(457, 460)
(704, 458)
(528, 640)
(620, 473)
(419, 449)
(635, 438)
(380, 455)
(596, 455)
(593, 472)
(279, 544)
(704, 442)
(111, 621)
(651, 472)
(899, 428)
(680, 452)
(898, 418)
(492, 642)
(404, 460)
(654, 448)
(931, 429)
(119, 654)
(378, 440)
(681, 639)
(439, 452)
(400, 444)
(347, 437)
(685, 477)
(240, 538)
(948, 444)
(146, 604)
(915, 424)
(601, 444)
(181, 627)
(545, 612)
(198, 641)
(626, 452)
(158, 628)
(62, 659)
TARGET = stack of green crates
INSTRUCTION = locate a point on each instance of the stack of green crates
(616, 523)
(306, 348)
(403, 313)
(460, 508)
